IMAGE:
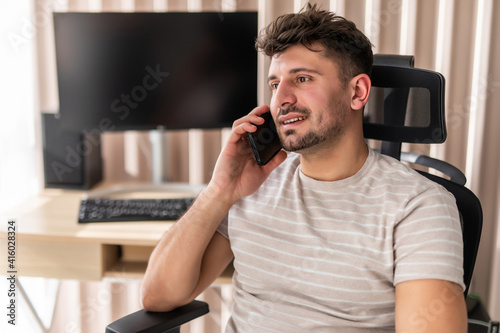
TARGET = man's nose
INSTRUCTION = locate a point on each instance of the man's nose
(284, 95)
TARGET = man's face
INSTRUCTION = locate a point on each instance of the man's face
(309, 103)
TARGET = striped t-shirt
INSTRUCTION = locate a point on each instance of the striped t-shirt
(315, 256)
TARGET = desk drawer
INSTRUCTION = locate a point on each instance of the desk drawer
(59, 259)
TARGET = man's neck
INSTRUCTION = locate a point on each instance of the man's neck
(340, 162)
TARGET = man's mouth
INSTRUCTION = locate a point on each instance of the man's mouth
(293, 120)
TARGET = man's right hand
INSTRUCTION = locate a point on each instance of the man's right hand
(236, 172)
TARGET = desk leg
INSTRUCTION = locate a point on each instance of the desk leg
(32, 309)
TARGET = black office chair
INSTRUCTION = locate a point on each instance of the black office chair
(407, 105)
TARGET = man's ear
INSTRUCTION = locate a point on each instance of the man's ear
(361, 86)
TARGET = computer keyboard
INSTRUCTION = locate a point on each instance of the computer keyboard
(120, 210)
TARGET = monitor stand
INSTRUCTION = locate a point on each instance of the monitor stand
(157, 151)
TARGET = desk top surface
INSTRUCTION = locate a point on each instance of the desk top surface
(53, 214)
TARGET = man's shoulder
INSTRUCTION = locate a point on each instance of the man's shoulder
(390, 170)
(387, 166)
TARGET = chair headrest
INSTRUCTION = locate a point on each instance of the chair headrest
(406, 103)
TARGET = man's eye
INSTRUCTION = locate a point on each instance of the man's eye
(273, 86)
(303, 79)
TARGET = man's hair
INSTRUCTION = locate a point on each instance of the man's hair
(342, 40)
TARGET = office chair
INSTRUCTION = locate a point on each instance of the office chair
(407, 105)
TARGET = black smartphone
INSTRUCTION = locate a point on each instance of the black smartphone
(265, 141)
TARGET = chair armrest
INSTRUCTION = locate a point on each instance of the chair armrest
(451, 171)
(158, 322)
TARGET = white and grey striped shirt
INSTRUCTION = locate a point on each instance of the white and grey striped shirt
(314, 256)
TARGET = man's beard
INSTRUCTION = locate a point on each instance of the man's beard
(315, 136)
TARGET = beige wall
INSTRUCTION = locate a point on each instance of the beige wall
(456, 38)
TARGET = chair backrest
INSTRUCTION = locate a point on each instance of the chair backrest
(407, 105)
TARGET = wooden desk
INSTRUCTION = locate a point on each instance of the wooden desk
(52, 244)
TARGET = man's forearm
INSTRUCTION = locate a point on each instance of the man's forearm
(174, 268)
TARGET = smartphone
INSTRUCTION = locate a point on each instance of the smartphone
(265, 141)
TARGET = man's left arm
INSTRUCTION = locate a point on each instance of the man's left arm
(430, 305)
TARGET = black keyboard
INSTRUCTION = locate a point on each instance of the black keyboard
(120, 210)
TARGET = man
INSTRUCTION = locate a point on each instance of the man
(334, 237)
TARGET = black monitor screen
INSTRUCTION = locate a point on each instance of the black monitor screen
(137, 71)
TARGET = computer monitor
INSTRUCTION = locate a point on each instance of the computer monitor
(142, 71)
